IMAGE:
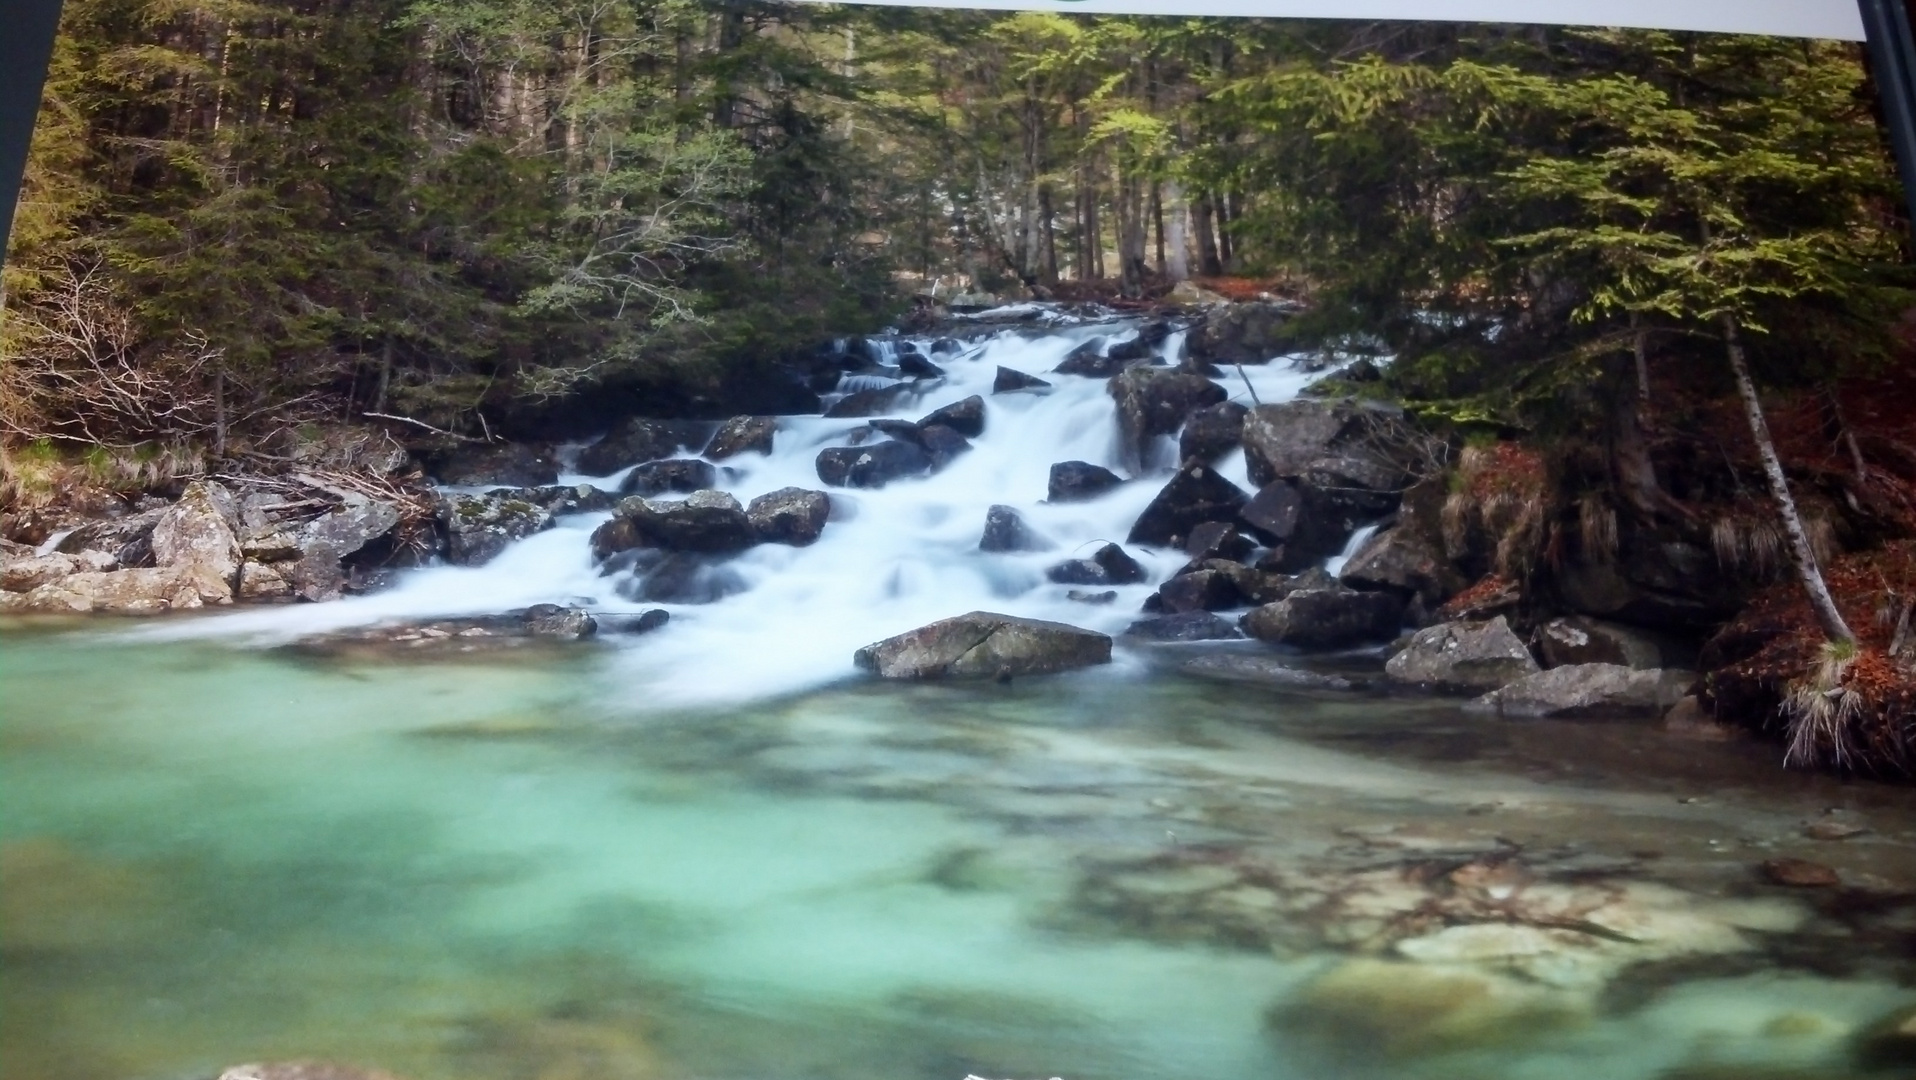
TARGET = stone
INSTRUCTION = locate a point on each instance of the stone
(1155, 401)
(1272, 513)
(24, 571)
(1889, 1044)
(1403, 1010)
(1011, 380)
(263, 583)
(1196, 495)
(1583, 640)
(872, 466)
(1006, 531)
(196, 536)
(965, 417)
(324, 541)
(562, 498)
(1326, 619)
(1212, 432)
(1464, 656)
(983, 644)
(1331, 446)
(128, 539)
(681, 578)
(1799, 874)
(917, 365)
(680, 475)
(1405, 560)
(637, 439)
(791, 515)
(1185, 626)
(1587, 690)
(498, 464)
(633, 625)
(876, 401)
(1079, 596)
(1079, 481)
(1110, 565)
(1091, 361)
(555, 621)
(1200, 590)
(479, 527)
(942, 444)
(139, 591)
(742, 435)
(704, 523)
(1833, 830)
(1218, 540)
(1262, 671)
(1190, 294)
(1253, 333)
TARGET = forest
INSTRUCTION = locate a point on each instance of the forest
(480, 219)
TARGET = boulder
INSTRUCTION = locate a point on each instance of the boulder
(1010, 380)
(1090, 361)
(1326, 619)
(917, 365)
(1005, 530)
(1185, 626)
(872, 466)
(1079, 596)
(681, 475)
(1337, 448)
(705, 523)
(1464, 656)
(681, 578)
(554, 621)
(1190, 294)
(23, 571)
(1283, 441)
(742, 434)
(637, 439)
(479, 527)
(128, 539)
(1654, 581)
(1242, 334)
(1078, 481)
(1405, 560)
(1268, 671)
(1212, 432)
(1194, 496)
(324, 541)
(1582, 690)
(1199, 590)
(876, 401)
(1272, 513)
(1155, 401)
(789, 515)
(942, 444)
(141, 591)
(965, 417)
(562, 499)
(197, 536)
(1800, 874)
(1111, 565)
(1218, 540)
(263, 583)
(498, 464)
(1582, 640)
(985, 645)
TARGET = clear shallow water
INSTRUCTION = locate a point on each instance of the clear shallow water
(522, 869)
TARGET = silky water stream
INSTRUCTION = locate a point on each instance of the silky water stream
(715, 852)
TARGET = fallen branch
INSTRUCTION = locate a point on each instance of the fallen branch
(422, 424)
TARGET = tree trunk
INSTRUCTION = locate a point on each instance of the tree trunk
(1827, 617)
(1047, 222)
(1208, 263)
(1157, 224)
(1178, 257)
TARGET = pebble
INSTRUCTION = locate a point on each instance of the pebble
(1800, 873)
(1833, 830)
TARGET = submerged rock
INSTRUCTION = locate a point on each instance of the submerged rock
(1590, 690)
(1110, 565)
(1394, 1009)
(872, 466)
(1326, 619)
(1088, 360)
(1194, 496)
(1078, 481)
(681, 475)
(1010, 380)
(303, 1070)
(1464, 656)
(1800, 874)
(1185, 626)
(479, 527)
(876, 401)
(983, 644)
(633, 625)
(1006, 531)
(789, 515)
(740, 435)
(1262, 671)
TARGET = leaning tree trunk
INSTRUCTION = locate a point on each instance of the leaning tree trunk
(1831, 620)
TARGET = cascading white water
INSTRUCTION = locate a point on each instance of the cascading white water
(1355, 544)
(891, 559)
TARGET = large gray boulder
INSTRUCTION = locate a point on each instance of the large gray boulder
(705, 523)
(197, 537)
(965, 417)
(128, 539)
(23, 571)
(872, 466)
(1405, 560)
(1242, 334)
(1005, 530)
(680, 475)
(791, 515)
(1589, 690)
(1010, 381)
(1344, 452)
(985, 645)
(479, 527)
(1078, 481)
(1326, 619)
(1211, 432)
(1196, 495)
(742, 434)
(1156, 401)
(1464, 656)
(141, 591)
(359, 520)
(1581, 640)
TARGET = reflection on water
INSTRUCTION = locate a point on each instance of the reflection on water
(517, 871)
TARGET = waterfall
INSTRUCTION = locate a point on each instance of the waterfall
(1336, 563)
(890, 559)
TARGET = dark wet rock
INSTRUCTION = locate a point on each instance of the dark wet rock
(1266, 587)
(613, 537)
(1078, 596)
(1464, 656)
(985, 645)
(324, 541)
(479, 527)
(1242, 334)
(633, 625)
(918, 366)
(1156, 401)
(562, 498)
(1262, 671)
(947, 347)
(1653, 581)
(1581, 640)
(1272, 513)
(1078, 481)
(943, 444)
(1326, 619)
(1212, 432)
(742, 434)
(705, 523)
(1010, 380)
(902, 430)
(127, 539)
(1889, 1044)
(873, 465)
(1089, 360)
(789, 515)
(1200, 590)
(1005, 530)
(1800, 874)
(876, 401)
(1194, 496)
(637, 439)
(1184, 626)
(1111, 565)
(1218, 540)
(966, 417)
(500, 464)
(681, 578)
(676, 475)
(1331, 446)
(1589, 690)
(1406, 560)
(554, 621)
